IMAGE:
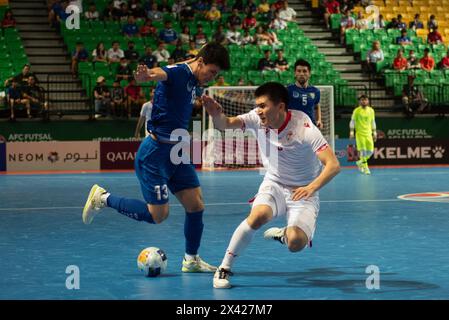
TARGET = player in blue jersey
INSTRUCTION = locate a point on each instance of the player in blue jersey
(303, 96)
(155, 168)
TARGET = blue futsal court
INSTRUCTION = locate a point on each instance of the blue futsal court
(361, 223)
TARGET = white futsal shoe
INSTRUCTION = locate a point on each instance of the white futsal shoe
(93, 203)
(277, 234)
(221, 278)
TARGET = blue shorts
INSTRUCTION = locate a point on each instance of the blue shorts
(157, 174)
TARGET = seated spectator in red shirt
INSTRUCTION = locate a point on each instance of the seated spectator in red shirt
(148, 30)
(8, 20)
(444, 63)
(427, 62)
(134, 96)
(434, 37)
(400, 62)
(331, 7)
(249, 22)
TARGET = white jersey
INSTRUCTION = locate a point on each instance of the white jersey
(297, 142)
(145, 112)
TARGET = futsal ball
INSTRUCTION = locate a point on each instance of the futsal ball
(152, 261)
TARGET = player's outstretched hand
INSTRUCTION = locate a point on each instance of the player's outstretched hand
(142, 73)
(213, 108)
(302, 193)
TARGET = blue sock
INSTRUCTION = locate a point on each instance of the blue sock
(193, 230)
(132, 208)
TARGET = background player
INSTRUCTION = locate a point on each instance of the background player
(303, 96)
(364, 122)
(290, 188)
(157, 173)
(145, 115)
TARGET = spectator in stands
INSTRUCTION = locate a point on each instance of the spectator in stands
(134, 96)
(427, 62)
(219, 36)
(379, 23)
(108, 12)
(413, 99)
(115, 53)
(8, 20)
(168, 35)
(249, 21)
(185, 35)
(62, 15)
(401, 24)
(265, 63)
(272, 13)
(187, 14)
(277, 23)
(193, 50)
(131, 53)
(200, 7)
(21, 78)
(221, 82)
(400, 62)
(347, 22)
(434, 37)
(14, 98)
(117, 99)
(444, 63)
(161, 53)
(221, 5)
(233, 36)
(177, 8)
(281, 63)
(35, 95)
(102, 97)
(330, 7)
(78, 55)
(393, 24)
(247, 38)
(404, 39)
(99, 54)
(432, 23)
(239, 6)
(165, 7)
(416, 23)
(124, 71)
(179, 54)
(118, 4)
(53, 11)
(213, 14)
(412, 61)
(286, 13)
(148, 30)
(136, 9)
(261, 38)
(154, 14)
(200, 37)
(148, 58)
(263, 9)
(92, 14)
(272, 37)
(346, 5)
(234, 19)
(130, 29)
(361, 23)
(124, 13)
(374, 55)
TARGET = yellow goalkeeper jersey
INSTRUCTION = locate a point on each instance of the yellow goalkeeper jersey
(364, 120)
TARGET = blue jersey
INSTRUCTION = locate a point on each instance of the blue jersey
(173, 101)
(303, 99)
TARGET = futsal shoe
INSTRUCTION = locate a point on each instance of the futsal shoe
(221, 278)
(196, 266)
(93, 203)
(359, 164)
(277, 234)
(366, 170)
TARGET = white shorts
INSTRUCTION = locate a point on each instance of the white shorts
(302, 213)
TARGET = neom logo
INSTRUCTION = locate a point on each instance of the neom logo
(25, 157)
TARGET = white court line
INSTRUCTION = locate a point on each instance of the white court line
(207, 204)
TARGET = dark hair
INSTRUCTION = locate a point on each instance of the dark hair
(363, 96)
(275, 91)
(303, 63)
(426, 50)
(215, 53)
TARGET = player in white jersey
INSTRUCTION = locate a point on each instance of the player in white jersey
(293, 178)
(145, 115)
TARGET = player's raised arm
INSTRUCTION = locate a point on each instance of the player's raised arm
(144, 74)
(215, 110)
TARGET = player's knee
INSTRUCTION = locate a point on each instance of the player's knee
(296, 239)
(158, 214)
(258, 218)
